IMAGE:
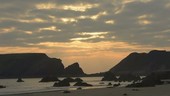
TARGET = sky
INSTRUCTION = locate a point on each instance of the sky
(95, 33)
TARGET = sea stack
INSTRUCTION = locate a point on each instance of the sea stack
(74, 70)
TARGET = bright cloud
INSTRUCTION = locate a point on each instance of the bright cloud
(79, 7)
(46, 6)
(52, 28)
(7, 30)
(110, 22)
(144, 22)
(68, 20)
(35, 20)
(92, 35)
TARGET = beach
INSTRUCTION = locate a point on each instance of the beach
(161, 90)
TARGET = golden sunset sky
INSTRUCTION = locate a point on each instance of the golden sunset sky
(95, 33)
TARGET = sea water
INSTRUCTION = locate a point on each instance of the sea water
(33, 85)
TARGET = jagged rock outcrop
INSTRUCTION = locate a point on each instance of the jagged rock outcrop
(74, 70)
(143, 63)
(29, 65)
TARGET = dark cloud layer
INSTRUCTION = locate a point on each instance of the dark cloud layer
(144, 22)
(95, 33)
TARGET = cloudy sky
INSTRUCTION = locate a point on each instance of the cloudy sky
(95, 33)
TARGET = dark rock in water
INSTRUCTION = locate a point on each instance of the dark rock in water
(49, 79)
(62, 83)
(82, 84)
(128, 77)
(109, 76)
(78, 80)
(148, 81)
(68, 79)
(66, 91)
(115, 85)
(74, 70)
(20, 80)
(1, 86)
(143, 63)
(109, 84)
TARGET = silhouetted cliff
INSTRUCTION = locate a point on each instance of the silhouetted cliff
(74, 70)
(143, 63)
(29, 65)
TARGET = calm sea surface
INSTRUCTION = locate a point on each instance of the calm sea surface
(32, 85)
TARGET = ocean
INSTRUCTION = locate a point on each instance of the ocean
(33, 85)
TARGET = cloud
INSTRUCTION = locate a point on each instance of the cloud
(104, 25)
(89, 35)
(124, 19)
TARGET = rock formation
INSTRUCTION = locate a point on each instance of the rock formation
(29, 65)
(78, 80)
(62, 83)
(74, 70)
(82, 84)
(149, 81)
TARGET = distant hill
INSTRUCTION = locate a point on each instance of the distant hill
(29, 65)
(143, 63)
(34, 65)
